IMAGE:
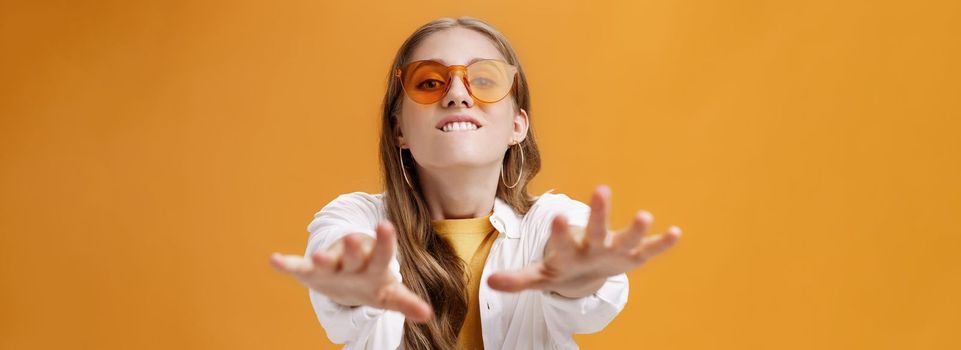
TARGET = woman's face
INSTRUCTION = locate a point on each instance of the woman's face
(500, 122)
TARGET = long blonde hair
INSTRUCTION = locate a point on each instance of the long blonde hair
(428, 264)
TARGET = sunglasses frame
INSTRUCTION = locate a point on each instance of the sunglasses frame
(399, 73)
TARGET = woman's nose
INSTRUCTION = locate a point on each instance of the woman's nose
(457, 94)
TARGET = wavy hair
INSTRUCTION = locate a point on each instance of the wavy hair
(429, 265)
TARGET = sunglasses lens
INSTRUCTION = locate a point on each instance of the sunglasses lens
(490, 80)
(425, 81)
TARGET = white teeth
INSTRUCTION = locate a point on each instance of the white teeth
(459, 126)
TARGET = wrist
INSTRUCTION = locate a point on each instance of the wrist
(348, 302)
(581, 290)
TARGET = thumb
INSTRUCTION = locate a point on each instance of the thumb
(530, 277)
(398, 298)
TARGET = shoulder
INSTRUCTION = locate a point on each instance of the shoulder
(353, 206)
(559, 201)
(551, 204)
(352, 212)
(358, 200)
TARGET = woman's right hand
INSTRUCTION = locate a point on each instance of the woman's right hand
(353, 271)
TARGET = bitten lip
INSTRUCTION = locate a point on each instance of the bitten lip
(458, 118)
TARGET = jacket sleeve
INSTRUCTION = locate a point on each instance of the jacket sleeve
(355, 212)
(589, 314)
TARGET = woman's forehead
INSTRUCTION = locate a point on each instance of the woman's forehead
(456, 46)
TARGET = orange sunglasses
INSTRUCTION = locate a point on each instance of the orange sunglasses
(487, 80)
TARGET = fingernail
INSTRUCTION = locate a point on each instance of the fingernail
(646, 216)
(604, 189)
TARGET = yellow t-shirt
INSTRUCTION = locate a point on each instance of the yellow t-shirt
(472, 239)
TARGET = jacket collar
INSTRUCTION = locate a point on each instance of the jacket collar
(505, 219)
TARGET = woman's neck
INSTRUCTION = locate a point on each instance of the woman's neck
(459, 193)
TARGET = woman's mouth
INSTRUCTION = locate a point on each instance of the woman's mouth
(459, 126)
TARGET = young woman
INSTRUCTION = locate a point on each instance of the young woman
(455, 253)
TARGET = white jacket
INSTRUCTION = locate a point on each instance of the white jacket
(529, 319)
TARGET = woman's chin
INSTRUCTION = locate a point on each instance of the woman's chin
(463, 159)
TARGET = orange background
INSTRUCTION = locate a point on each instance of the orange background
(155, 153)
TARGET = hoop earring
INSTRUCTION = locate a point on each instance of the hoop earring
(519, 174)
(402, 168)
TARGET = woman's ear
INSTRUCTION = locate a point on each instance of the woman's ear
(521, 124)
(398, 133)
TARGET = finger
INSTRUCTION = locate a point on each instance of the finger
(561, 240)
(324, 261)
(530, 277)
(353, 258)
(383, 247)
(291, 264)
(398, 298)
(652, 246)
(629, 239)
(597, 223)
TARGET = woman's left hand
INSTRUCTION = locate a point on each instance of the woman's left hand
(578, 261)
